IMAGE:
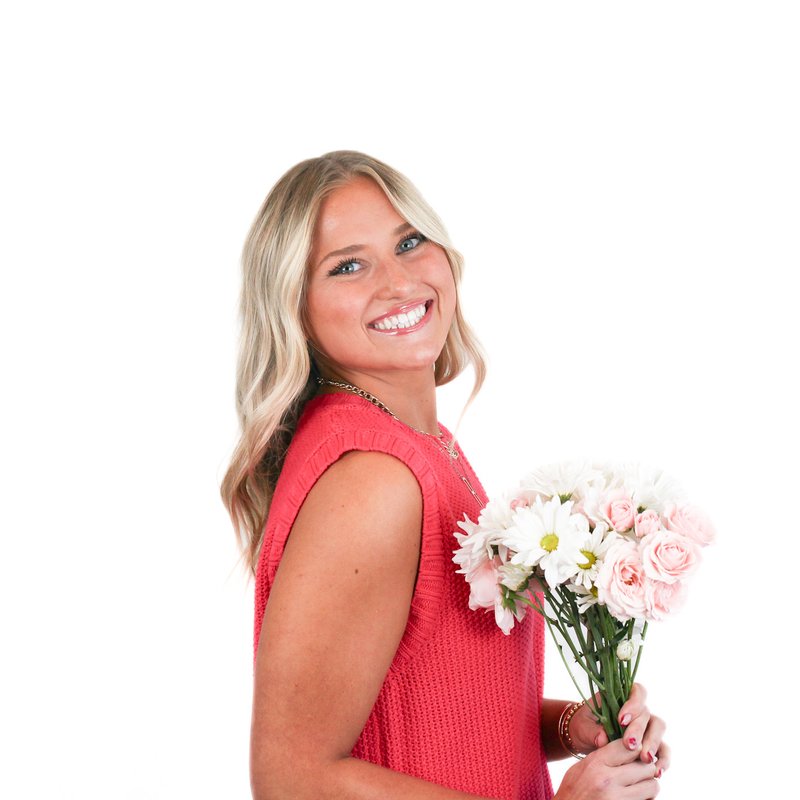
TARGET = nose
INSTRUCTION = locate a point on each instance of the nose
(397, 279)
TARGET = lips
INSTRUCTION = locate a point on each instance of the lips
(402, 319)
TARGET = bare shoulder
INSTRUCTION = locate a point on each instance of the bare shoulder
(380, 474)
(358, 532)
(363, 498)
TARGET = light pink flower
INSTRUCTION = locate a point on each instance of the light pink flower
(692, 522)
(661, 599)
(647, 522)
(619, 510)
(621, 580)
(484, 591)
(668, 556)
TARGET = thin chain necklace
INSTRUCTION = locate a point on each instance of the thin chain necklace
(447, 448)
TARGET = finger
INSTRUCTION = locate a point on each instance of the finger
(664, 756)
(651, 741)
(646, 790)
(634, 705)
(585, 731)
(637, 781)
(639, 692)
(636, 773)
(617, 753)
(634, 734)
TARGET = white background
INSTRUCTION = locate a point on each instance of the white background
(622, 178)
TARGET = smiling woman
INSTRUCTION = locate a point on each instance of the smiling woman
(372, 676)
(380, 318)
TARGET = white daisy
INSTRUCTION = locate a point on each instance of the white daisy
(650, 487)
(593, 549)
(583, 596)
(565, 480)
(482, 540)
(548, 536)
(475, 549)
(515, 576)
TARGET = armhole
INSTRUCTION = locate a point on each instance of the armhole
(426, 601)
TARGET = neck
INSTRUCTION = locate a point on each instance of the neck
(412, 398)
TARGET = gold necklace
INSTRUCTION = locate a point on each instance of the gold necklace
(449, 449)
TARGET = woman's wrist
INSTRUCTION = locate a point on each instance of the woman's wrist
(567, 713)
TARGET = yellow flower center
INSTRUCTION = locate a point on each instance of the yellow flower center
(549, 542)
(591, 558)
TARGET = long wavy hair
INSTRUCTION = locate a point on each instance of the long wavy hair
(276, 373)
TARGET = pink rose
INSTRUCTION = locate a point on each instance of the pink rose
(621, 580)
(646, 523)
(692, 522)
(483, 588)
(661, 599)
(619, 510)
(668, 556)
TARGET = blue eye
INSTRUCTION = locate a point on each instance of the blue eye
(346, 267)
(410, 242)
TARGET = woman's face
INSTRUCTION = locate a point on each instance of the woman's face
(380, 296)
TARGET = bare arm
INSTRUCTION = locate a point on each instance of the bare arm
(551, 714)
(335, 616)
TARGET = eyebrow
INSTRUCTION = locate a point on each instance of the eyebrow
(353, 248)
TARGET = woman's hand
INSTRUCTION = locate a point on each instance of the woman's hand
(643, 732)
(609, 773)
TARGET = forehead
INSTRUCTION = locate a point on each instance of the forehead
(359, 208)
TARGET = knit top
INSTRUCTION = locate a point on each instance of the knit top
(460, 705)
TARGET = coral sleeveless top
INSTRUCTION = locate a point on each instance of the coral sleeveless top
(461, 702)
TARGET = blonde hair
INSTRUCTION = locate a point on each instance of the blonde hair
(276, 375)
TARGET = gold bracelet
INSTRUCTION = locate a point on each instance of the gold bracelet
(569, 711)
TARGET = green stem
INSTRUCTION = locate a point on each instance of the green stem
(551, 622)
(588, 655)
(593, 638)
(537, 606)
(639, 654)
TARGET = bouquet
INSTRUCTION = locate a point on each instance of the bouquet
(599, 552)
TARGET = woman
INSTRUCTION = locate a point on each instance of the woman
(372, 676)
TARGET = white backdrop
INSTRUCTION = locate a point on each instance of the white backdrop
(623, 181)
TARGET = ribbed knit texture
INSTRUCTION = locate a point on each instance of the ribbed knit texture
(461, 703)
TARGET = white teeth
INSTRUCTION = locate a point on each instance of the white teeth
(404, 320)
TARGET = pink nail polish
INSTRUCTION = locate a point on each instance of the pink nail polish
(632, 743)
(650, 757)
(626, 720)
(659, 773)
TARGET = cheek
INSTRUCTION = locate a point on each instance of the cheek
(330, 318)
(311, 317)
(319, 320)
(449, 293)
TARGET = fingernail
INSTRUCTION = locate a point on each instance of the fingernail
(626, 720)
(649, 757)
(659, 773)
(631, 743)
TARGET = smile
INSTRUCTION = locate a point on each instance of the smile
(408, 318)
